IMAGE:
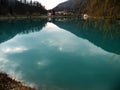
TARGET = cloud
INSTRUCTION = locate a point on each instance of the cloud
(13, 49)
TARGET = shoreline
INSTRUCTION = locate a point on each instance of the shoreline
(21, 17)
(55, 16)
(7, 83)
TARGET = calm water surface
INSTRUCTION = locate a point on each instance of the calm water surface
(62, 54)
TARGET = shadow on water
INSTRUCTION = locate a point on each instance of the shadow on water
(104, 34)
(10, 28)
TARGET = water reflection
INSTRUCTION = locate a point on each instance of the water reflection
(56, 59)
(10, 28)
(104, 34)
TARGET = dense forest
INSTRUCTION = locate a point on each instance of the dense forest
(21, 7)
(97, 8)
(106, 8)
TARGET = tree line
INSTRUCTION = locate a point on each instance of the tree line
(21, 7)
(106, 8)
(96, 8)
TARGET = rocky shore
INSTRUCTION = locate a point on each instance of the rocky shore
(7, 83)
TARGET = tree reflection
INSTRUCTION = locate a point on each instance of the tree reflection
(103, 33)
(106, 27)
(10, 28)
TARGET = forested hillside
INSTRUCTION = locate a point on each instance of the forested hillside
(106, 8)
(22, 7)
(98, 8)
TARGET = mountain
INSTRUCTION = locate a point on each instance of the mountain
(15, 7)
(106, 8)
(68, 5)
(71, 5)
(96, 8)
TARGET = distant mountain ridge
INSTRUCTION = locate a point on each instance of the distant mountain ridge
(70, 5)
(67, 5)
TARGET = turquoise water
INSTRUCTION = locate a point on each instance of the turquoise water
(63, 54)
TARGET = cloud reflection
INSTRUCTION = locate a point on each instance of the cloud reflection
(42, 63)
(10, 67)
(53, 56)
(67, 42)
(13, 49)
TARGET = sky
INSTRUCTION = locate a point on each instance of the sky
(49, 4)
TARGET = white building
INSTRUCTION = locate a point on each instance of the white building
(85, 16)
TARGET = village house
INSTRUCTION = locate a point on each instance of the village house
(61, 13)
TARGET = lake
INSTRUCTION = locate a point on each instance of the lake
(62, 53)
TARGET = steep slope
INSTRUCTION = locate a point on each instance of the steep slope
(14, 7)
(68, 5)
(72, 5)
(109, 8)
(97, 8)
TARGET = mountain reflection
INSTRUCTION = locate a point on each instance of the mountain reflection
(104, 34)
(56, 59)
(10, 28)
